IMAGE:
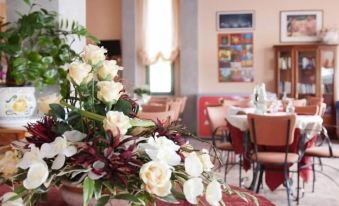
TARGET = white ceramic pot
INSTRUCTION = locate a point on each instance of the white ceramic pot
(331, 37)
(17, 102)
(72, 195)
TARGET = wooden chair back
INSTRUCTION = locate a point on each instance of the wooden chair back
(307, 110)
(272, 130)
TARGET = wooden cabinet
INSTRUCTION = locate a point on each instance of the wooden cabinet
(9, 135)
(307, 70)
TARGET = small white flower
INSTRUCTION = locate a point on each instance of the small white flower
(36, 176)
(44, 102)
(214, 193)
(80, 73)
(74, 136)
(97, 165)
(34, 155)
(108, 70)
(193, 165)
(206, 160)
(162, 149)
(193, 188)
(156, 175)
(116, 121)
(94, 54)
(109, 91)
(59, 148)
(7, 202)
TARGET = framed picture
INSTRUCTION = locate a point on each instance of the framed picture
(300, 26)
(236, 20)
(235, 57)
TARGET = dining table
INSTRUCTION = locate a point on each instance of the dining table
(308, 127)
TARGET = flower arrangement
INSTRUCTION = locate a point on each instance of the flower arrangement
(90, 136)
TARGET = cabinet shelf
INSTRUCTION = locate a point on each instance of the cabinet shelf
(306, 75)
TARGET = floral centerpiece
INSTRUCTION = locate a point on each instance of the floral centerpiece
(90, 136)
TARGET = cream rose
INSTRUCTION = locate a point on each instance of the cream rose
(44, 102)
(116, 122)
(109, 91)
(80, 73)
(8, 164)
(94, 54)
(108, 70)
(156, 176)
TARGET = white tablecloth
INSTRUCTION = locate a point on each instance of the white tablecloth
(308, 124)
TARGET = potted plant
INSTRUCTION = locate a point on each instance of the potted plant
(92, 139)
(35, 48)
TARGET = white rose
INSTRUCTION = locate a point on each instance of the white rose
(193, 165)
(116, 122)
(162, 149)
(109, 91)
(36, 176)
(7, 202)
(192, 189)
(108, 70)
(206, 161)
(156, 176)
(80, 73)
(94, 54)
(44, 102)
(213, 193)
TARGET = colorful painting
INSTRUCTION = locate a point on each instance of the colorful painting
(235, 57)
(300, 26)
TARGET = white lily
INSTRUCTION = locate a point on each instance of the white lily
(36, 176)
(7, 202)
(59, 148)
(192, 189)
(214, 193)
(162, 149)
(206, 161)
(74, 136)
(193, 165)
(34, 155)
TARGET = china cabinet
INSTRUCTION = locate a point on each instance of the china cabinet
(307, 70)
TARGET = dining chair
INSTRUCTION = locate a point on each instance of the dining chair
(273, 131)
(175, 107)
(155, 107)
(220, 135)
(156, 116)
(307, 110)
(183, 101)
(314, 100)
(322, 150)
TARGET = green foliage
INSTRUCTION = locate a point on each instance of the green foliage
(35, 47)
(141, 91)
(88, 190)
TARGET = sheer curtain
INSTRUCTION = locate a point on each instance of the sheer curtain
(159, 31)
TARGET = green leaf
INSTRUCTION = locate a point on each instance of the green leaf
(19, 62)
(169, 198)
(102, 201)
(141, 123)
(88, 190)
(58, 110)
(97, 189)
(127, 196)
(47, 60)
(123, 106)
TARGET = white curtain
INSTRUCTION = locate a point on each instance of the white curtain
(159, 31)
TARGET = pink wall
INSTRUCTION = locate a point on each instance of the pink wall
(104, 18)
(266, 34)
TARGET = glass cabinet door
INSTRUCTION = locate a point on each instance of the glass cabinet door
(285, 73)
(306, 73)
(327, 58)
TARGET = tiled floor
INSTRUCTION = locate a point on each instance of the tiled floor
(326, 191)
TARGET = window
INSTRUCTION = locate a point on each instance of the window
(160, 77)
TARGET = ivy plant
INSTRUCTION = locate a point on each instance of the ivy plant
(36, 47)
